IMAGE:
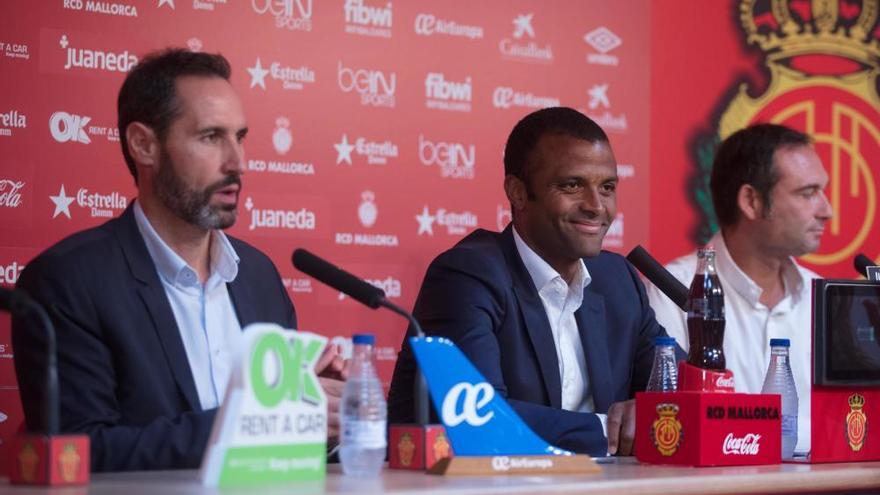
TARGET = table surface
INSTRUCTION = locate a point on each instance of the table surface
(626, 476)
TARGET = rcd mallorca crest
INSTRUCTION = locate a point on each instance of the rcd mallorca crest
(856, 422)
(822, 59)
(666, 429)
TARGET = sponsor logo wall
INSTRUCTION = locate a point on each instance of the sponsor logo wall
(376, 127)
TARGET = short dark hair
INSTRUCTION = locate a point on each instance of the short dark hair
(746, 157)
(549, 121)
(148, 94)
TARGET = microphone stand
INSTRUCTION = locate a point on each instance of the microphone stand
(421, 390)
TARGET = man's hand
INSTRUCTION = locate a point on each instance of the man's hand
(332, 372)
(621, 427)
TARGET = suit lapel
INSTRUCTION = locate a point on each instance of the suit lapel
(594, 339)
(156, 303)
(245, 307)
(537, 325)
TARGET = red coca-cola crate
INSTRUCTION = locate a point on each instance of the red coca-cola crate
(708, 429)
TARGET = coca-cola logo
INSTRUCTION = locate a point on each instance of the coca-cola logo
(724, 382)
(10, 193)
(747, 445)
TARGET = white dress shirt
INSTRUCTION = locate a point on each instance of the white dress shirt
(205, 316)
(560, 303)
(749, 325)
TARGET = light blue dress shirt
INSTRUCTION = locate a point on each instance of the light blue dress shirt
(205, 316)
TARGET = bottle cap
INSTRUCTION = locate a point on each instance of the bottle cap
(780, 343)
(363, 338)
(664, 341)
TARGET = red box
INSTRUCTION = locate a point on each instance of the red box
(55, 460)
(844, 423)
(406, 446)
(708, 429)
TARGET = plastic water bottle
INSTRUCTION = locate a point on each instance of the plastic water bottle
(664, 373)
(363, 414)
(779, 380)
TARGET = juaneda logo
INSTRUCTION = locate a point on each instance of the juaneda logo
(302, 219)
(523, 46)
(10, 193)
(10, 121)
(377, 153)
(374, 87)
(456, 223)
(15, 50)
(295, 15)
(455, 160)
(368, 20)
(599, 106)
(99, 205)
(747, 445)
(441, 94)
(86, 58)
(429, 24)
(282, 141)
(856, 422)
(9, 273)
(107, 8)
(666, 429)
(603, 40)
(507, 97)
(289, 78)
(368, 213)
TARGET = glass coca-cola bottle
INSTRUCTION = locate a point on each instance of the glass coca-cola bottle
(706, 315)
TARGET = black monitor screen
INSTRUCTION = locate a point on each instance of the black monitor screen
(851, 323)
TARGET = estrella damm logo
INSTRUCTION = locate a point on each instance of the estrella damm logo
(666, 430)
(823, 62)
(282, 366)
(856, 422)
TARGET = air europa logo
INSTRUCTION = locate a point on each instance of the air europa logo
(429, 24)
(463, 402)
(507, 97)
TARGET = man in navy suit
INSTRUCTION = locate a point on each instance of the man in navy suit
(560, 328)
(149, 307)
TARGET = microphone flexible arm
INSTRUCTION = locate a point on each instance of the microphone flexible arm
(421, 390)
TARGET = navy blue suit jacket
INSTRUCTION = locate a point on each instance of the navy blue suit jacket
(123, 372)
(480, 295)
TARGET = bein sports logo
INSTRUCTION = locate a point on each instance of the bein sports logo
(456, 160)
(463, 403)
(295, 15)
(374, 87)
(747, 445)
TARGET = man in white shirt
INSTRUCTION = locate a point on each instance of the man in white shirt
(767, 189)
(560, 328)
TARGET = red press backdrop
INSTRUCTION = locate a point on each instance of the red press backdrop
(377, 127)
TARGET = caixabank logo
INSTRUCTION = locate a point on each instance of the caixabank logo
(822, 59)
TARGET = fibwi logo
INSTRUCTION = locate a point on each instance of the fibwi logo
(666, 429)
(10, 193)
(368, 214)
(464, 403)
(288, 78)
(441, 94)
(429, 25)
(10, 121)
(599, 109)
(376, 152)
(603, 40)
(282, 141)
(856, 422)
(279, 219)
(368, 20)
(614, 235)
(454, 160)
(523, 46)
(106, 8)
(15, 50)
(506, 97)
(95, 59)
(99, 205)
(374, 86)
(295, 15)
(456, 223)
(67, 127)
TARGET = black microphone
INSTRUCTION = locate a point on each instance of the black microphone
(337, 278)
(659, 276)
(354, 287)
(861, 264)
(21, 306)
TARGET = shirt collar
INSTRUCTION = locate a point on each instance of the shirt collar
(172, 268)
(541, 271)
(740, 282)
